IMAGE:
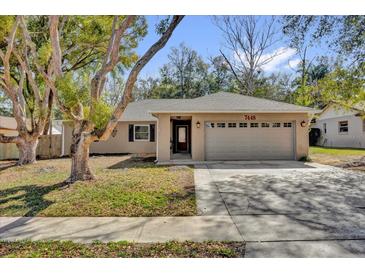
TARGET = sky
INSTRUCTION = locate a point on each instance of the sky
(196, 32)
(202, 35)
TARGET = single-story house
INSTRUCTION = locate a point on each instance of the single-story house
(220, 126)
(8, 126)
(341, 127)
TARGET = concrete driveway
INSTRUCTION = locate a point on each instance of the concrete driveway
(287, 208)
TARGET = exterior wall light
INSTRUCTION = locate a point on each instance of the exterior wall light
(198, 124)
(303, 123)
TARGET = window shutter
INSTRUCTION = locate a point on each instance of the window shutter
(152, 132)
(131, 133)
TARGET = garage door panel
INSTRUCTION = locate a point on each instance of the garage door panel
(249, 143)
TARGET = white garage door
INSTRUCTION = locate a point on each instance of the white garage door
(249, 140)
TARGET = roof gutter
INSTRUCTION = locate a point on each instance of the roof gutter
(235, 111)
(7, 128)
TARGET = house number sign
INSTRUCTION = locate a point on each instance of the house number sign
(249, 117)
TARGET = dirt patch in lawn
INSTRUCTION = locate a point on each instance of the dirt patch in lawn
(339, 157)
(125, 186)
(334, 160)
(67, 249)
(355, 164)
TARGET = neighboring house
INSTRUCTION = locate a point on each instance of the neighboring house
(341, 127)
(221, 126)
(8, 127)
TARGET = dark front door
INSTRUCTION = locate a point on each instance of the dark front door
(182, 138)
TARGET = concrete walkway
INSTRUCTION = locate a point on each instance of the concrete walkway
(105, 229)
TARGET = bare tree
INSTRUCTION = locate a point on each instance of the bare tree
(248, 38)
(18, 57)
(186, 71)
(85, 131)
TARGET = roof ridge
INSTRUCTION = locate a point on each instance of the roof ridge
(251, 96)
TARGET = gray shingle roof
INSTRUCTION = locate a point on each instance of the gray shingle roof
(141, 110)
(217, 102)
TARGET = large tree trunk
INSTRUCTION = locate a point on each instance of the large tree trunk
(27, 151)
(85, 131)
(80, 147)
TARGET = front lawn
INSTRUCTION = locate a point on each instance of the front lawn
(124, 187)
(67, 249)
(337, 151)
(341, 157)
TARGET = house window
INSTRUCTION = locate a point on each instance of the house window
(209, 125)
(265, 125)
(275, 124)
(325, 127)
(243, 125)
(232, 125)
(141, 132)
(254, 125)
(287, 124)
(221, 125)
(343, 127)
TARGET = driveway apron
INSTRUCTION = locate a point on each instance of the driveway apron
(285, 204)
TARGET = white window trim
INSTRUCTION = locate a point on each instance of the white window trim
(134, 133)
(348, 128)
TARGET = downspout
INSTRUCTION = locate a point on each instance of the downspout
(156, 136)
(63, 140)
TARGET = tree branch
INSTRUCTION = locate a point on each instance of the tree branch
(55, 43)
(127, 94)
(111, 57)
(232, 69)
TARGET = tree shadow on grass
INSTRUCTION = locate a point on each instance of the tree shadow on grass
(135, 162)
(31, 195)
(7, 164)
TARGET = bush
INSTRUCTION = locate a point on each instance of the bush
(305, 159)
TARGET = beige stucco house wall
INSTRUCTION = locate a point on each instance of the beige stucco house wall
(117, 144)
(301, 142)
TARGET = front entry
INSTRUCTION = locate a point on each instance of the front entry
(181, 136)
(182, 140)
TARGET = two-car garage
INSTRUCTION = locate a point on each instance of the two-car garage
(228, 126)
(237, 140)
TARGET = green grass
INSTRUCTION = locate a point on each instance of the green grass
(67, 249)
(337, 151)
(124, 187)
